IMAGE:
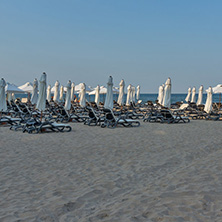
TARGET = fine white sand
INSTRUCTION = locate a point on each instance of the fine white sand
(157, 172)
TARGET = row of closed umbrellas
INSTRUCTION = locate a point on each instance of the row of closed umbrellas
(40, 93)
(164, 95)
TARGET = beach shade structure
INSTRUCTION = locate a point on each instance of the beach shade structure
(10, 97)
(61, 93)
(129, 95)
(138, 92)
(68, 96)
(208, 104)
(109, 95)
(193, 97)
(187, 99)
(120, 100)
(41, 103)
(48, 97)
(78, 88)
(200, 95)
(72, 91)
(56, 91)
(160, 94)
(82, 95)
(3, 105)
(27, 87)
(167, 94)
(218, 89)
(133, 97)
(97, 89)
(12, 88)
(34, 97)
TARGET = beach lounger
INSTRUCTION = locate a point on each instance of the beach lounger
(35, 125)
(111, 121)
(168, 117)
(94, 118)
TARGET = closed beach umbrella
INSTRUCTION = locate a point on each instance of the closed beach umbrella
(34, 97)
(193, 97)
(82, 95)
(160, 94)
(49, 93)
(208, 104)
(97, 95)
(3, 105)
(200, 95)
(187, 99)
(56, 92)
(167, 94)
(133, 97)
(68, 96)
(129, 94)
(41, 103)
(109, 95)
(120, 100)
(61, 94)
(72, 91)
(138, 92)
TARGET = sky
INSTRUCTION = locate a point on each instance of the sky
(141, 41)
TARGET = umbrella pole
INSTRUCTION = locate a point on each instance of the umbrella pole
(219, 100)
(41, 117)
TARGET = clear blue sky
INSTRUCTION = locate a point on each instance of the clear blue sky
(142, 41)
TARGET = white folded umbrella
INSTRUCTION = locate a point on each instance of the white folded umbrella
(120, 100)
(41, 103)
(68, 96)
(200, 95)
(167, 94)
(34, 97)
(109, 96)
(3, 105)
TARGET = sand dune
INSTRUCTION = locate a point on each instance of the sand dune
(157, 172)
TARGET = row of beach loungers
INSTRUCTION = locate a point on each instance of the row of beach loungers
(24, 116)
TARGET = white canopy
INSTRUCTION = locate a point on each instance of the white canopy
(217, 89)
(103, 90)
(109, 96)
(12, 88)
(27, 87)
(3, 105)
(78, 88)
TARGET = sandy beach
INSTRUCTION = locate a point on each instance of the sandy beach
(156, 172)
